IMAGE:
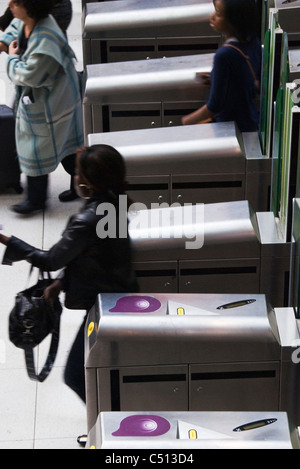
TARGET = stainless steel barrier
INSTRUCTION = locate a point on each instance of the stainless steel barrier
(288, 14)
(139, 29)
(242, 251)
(206, 163)
(191, 430)
(189, 352)
(139, 94)
(294, 60)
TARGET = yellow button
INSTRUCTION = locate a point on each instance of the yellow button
(192, 435)
(180, 311)
(91, 328)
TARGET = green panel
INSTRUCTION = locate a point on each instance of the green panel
(264, 90)
(278, 129)
(276, 155)
(284, 66)
(266, 108)
(286, 160)
(295, 297)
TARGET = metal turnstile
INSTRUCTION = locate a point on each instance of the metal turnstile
(190, 353)
(288, 18)
(207, 163)
(138, 29)
(294, 300)
(143, 93)
(192, 430)
(294, 59)
(227, 248)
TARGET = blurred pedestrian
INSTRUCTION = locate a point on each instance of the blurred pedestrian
(49, 121)
(237, 67)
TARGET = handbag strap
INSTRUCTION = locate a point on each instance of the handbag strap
(29, 358)
(246, 57)
(41, 275)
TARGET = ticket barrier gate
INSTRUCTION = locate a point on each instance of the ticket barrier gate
(144, 93)
(288, 14)
(226, 248)
(139, 29)
(294, 300)
(192, 164)
(193, 352)
(192, 430)
(294, 59)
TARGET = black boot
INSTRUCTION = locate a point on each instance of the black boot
(69, 195)
(27, 208)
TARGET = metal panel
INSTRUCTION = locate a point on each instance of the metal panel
(155, 277)
(152, 388)
(220, 275)
(143, 330)
(141, 18)
(171, 78)
(208, 188)
(208, 149)
(294, 59)
(235, 387)
(148, 190)
(129, 116)
(127, 49)
(191, 430)
(275, 260)
(229, 232)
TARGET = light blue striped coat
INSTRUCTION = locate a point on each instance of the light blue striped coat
(48, 106)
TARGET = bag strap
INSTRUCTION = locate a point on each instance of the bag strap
(41, 275)
(29, 357)
(246, 57)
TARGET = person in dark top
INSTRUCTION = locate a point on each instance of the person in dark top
(92, 264)
(62, 12)
(237, 67)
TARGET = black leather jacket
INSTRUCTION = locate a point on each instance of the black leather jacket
(91, 265)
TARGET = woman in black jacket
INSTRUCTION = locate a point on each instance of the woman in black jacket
(93, 262)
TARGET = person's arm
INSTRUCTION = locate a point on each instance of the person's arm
(219, 82)
(37, 71)
(197, 116)
(51, 292)
(4, 239)
(10, 35)
(3, 47)
(73, 242)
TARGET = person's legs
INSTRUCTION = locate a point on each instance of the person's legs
(69, 164)
(74, 371)
(37, 188)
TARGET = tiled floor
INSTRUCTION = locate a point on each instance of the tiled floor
(49, 414)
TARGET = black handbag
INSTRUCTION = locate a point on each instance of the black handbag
(31, 321)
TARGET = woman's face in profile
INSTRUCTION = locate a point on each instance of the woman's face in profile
(17, 9)
(218, 20)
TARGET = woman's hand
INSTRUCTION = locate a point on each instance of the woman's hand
(203, 78)
(13, 48)
(4, 239)
(52, 292)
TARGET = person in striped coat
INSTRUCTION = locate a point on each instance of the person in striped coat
(49, 121)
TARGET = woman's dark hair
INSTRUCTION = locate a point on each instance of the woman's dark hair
(38, 9)
(243, 17)
(104, 168)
